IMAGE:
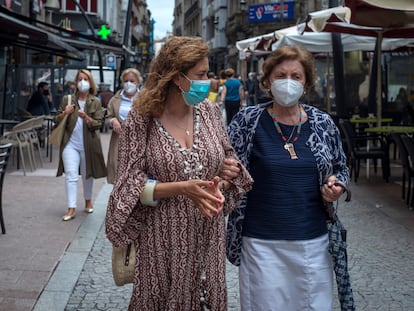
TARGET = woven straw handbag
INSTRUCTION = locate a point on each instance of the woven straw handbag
(123, 264)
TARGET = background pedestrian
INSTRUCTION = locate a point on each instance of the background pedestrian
(81, 149)
(117, 111)
(232, 94)
(41, 100)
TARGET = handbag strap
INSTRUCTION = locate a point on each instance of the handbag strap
(330, 206)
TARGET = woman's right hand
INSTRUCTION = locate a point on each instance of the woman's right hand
(206, 196)
(116, 125)
(69, 109)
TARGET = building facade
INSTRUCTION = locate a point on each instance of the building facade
(224, 22)
(49, 40)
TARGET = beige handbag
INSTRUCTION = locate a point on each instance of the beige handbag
(123, 264)
(56, 136)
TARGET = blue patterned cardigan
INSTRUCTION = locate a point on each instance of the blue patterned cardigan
(325, 143)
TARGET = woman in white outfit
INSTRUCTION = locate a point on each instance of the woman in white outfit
(81, 150)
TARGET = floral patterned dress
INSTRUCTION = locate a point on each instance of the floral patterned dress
(175, 244)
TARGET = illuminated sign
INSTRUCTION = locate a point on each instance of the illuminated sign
(104, 32)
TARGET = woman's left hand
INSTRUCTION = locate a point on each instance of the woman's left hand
(331, 192)
(85, 117)
(230, 169)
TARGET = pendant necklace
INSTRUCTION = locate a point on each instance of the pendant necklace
(187, 131)
(289, 147)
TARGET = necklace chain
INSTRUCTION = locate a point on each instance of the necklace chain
(187, 128)
(279, 130)
(192, 164)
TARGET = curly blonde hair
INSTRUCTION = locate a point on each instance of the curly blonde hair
(177, 55)
(93, 89)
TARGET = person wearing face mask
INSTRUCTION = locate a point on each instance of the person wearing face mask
(117, 111)
(81, 149)
(168, 198)
(40, 102)
(278, 234)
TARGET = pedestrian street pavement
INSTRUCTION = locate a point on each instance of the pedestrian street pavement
(380, 250)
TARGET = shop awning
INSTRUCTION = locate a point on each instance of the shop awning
(18, 33)
(93, 44)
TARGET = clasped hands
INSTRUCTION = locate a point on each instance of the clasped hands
(82, 114)
(206, 195)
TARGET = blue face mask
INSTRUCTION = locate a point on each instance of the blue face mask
(197, 93)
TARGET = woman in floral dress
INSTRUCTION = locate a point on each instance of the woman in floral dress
(167, 197)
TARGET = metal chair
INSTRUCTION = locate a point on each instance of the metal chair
(4, 157)
(407, 170)
(364, 147)
(409, 146)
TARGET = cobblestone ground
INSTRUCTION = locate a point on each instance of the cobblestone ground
(95, 289)
(380, 250)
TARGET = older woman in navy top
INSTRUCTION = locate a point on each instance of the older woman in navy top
(294, 154)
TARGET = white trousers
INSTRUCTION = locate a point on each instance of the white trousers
(286, 275)
(74, 158)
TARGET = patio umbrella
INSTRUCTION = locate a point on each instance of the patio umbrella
(321, 42)
(373, 18)
(259, 45)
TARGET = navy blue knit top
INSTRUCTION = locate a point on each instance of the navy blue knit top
(285, 202)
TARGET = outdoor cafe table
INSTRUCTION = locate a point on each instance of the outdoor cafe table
(369, 120)
(387, 129)
(360, 123)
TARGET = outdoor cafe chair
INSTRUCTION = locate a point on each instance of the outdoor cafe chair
(5, 150)
(33, 126)
(408, 142)
(407, 170)
(25, 141)
(21, 146)
(364, 147)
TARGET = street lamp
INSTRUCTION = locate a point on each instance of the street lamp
(126, 37)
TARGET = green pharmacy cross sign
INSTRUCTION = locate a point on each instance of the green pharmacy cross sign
(104, 32)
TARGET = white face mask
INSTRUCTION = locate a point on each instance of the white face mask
(83, 86)
(130, 87)
(286, 91)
